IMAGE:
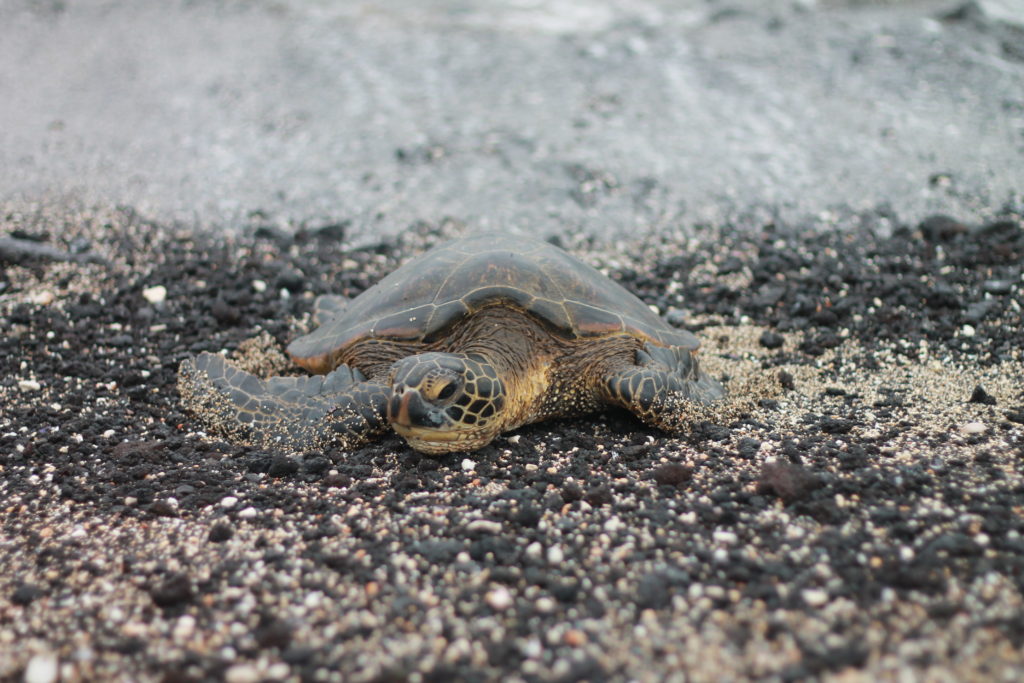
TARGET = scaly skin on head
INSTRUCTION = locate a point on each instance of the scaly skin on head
(446, 402)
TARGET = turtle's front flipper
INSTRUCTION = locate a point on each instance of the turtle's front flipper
(339, 409)
(662, 387)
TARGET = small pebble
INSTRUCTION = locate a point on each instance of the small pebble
(967, 331)
(42, 668)
(998, 287)
(184, 628)
(228, 502)
(613, 524)
(29, 385)
(248, 513)
(242, 673)
(259, 286)
(43, 298)
(468, 465)
(278, 671)
(532, 648)
(815, 597)
(485, 526)
(499, 599)
(973, 428)
(155, 295)
(574, 638)
(725, 537)
(544, 605)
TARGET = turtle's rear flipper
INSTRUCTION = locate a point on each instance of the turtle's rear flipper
(287, 413)
(666, 388)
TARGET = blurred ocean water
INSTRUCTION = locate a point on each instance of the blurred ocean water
(613, 118)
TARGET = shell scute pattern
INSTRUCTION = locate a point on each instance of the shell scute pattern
(423, 300)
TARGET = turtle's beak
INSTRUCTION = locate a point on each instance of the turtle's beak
(407, 408)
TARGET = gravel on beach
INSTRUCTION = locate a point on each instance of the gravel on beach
(854, 512)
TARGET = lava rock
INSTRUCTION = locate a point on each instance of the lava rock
(282, 466)
(769, 295)
(336, 481)
(571, 492)
(940, 228)
(527, 516)
(730, 265)
(787, 481)
(826, 317)
(221, 532)
(162, 508)
(979, 395)
(748, 448)
(835, 425)
(980, 310)
(771, 340)
(672, 474)
(652, 591)
(174, 590)
(943, 296)
(274, 633)
(26, 594)
(224, 313)
(709, 431)
(290, 279)
(599, 495)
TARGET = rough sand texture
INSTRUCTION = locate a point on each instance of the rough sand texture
(852, 516)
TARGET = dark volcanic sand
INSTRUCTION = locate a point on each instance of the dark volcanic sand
(859, 516)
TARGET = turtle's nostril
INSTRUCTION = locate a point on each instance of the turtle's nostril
(410, 410)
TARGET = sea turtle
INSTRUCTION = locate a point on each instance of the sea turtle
(473, 338)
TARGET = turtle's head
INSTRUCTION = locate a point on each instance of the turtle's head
(446, 402)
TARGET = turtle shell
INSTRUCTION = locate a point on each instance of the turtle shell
(423, 299)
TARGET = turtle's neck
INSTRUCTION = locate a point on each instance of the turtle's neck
(511, 340)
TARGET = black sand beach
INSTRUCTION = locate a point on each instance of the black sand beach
(857, 513)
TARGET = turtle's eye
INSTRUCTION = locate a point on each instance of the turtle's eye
(447, 391)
